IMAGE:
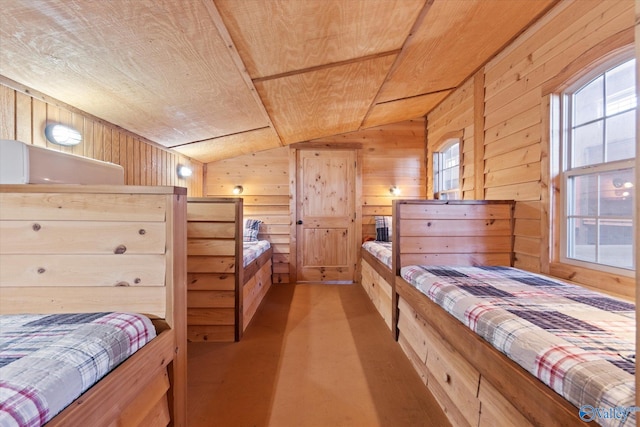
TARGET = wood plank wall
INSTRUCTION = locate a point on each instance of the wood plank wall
(23, 117)
(510, 107)
(454, 117)
(264, 177)
(391, 155)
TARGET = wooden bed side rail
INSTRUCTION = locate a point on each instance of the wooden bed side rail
(136, 375)
(87, 248)
(215, 270)
(257, 282)
(377, 265)
(538, 403)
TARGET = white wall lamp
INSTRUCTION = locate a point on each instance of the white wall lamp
(238, 189)
(62, 135)
(394, 190)
(184, 171)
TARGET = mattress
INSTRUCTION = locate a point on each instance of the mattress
(578, 342)
(48, 361)
(252, 250)
(380, 250)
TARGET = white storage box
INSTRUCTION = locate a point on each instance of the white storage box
(22, 163)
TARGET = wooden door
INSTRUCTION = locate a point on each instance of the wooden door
(326, 216)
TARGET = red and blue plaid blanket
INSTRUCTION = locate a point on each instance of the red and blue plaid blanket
(47, 361)
(578, 342)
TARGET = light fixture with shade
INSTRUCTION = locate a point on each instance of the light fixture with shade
(59, 134)
(238, 189)
(394, 190)
(184, 171)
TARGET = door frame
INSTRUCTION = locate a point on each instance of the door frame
(293, 201)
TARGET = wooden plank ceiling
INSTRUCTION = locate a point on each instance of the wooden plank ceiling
(214, 79)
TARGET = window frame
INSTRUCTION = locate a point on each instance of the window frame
(562, 142)
(437, 160)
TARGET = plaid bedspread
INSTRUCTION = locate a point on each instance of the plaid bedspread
(381, 250)
(578, 342)
(252, 250)
(47, 361)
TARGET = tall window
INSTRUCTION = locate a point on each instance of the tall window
(446, 171)
(598, 155)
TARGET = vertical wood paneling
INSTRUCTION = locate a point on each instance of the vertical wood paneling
(88, 139)
(24, 117)
(38, 119)
(7, 113)
(77, 122)
(515, 163)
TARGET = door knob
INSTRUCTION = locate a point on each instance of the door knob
(299, 222)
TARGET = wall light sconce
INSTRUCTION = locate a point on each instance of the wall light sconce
(184, 171)
(238, 189)
(62, 135)
(394, 190)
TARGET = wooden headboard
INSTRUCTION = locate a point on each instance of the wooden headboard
(76, 248)
(452, 232)
(72, 248)
(214, 269)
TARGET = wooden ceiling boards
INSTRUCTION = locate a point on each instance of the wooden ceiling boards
(219, 78)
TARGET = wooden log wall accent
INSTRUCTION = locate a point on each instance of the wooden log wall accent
(214, 278)
(514, 156)
(391, 155)
(24, 116)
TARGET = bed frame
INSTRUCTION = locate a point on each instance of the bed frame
(475, 383)
(71, 248)
(222, 295)
(377, 279)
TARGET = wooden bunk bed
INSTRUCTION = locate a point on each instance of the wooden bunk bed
(376, 270)
(473, 381)
(377, 279)
(81, 249)
(223, 293)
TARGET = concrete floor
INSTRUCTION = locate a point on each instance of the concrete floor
(314, 355)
